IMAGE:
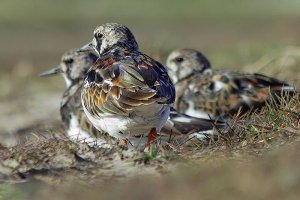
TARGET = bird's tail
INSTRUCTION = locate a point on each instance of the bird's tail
(185, 125)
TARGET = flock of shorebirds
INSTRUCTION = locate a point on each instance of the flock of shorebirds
(114, 89)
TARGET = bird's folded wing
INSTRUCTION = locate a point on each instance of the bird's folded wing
(118, 86)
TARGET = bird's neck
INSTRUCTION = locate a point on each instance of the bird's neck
(120, 47)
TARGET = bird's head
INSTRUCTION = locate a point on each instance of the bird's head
(183, 63)
(73, 66)
(109, 35)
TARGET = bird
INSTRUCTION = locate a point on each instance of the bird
(218, 94)
(73, 67)
(126, 93)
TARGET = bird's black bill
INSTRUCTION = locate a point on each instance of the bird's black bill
(86, 48)
(51, 72)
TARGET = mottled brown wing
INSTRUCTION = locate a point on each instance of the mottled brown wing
(231, 91)
(117, 86)
(257, 89)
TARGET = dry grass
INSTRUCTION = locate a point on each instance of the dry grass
(257, 153)
(274, 176)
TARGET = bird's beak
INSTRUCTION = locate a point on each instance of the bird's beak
(87, 48)
(51, 72)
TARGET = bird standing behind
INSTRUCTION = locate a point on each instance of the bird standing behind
(220, 93)
(73, 67)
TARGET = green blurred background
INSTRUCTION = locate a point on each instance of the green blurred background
(35, 33)
(40, 31)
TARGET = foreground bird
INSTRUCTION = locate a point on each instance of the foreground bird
(73, 67)
(202, 90)
(125, 93)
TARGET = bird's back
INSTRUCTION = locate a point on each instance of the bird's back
(226, 92)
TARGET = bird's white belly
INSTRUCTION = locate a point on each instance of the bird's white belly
(191, 111)
(140, 123)
(75, 133)
(114, 125)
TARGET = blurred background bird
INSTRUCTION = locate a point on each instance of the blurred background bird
(73, 67)
(203, 91)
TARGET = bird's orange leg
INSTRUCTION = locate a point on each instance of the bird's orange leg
(151, 138)
(123, 143)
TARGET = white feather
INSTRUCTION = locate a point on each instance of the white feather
(182, 119)
(75, 133)
(202, 134)
(195, 113)
(218, 86)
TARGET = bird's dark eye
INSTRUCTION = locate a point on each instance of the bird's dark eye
(69, 61)
(179, 59)
(99, 35)
(225, 79)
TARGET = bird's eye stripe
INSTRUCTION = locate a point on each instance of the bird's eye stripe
(69, 61)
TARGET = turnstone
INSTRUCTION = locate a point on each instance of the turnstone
(202, 90)
(73, 67)
(125, 93)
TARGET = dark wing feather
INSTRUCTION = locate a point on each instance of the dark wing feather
(70, 103)
(157, 78)
(257, 80)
